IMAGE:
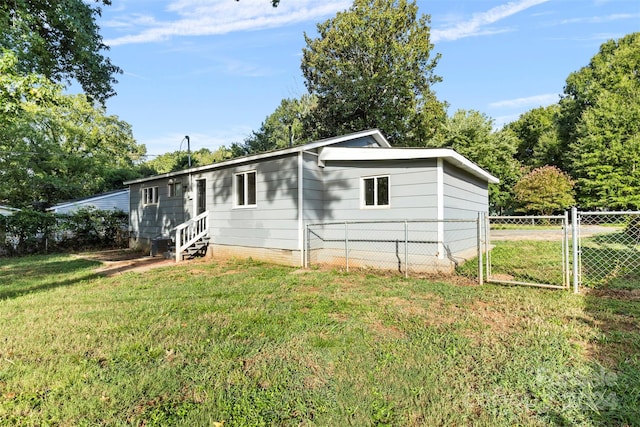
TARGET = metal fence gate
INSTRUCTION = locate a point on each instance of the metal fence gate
(528, 250)
(590, 249)
(608, 248)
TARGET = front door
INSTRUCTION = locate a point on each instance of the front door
(201, 196)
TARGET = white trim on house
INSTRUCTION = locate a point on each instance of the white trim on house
(247, 195)
(301, 206)
(363, 192)
(359, 154)
(374, 133)
(440, 212)
(7, 210)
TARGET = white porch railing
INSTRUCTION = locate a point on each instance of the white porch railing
(190, 232)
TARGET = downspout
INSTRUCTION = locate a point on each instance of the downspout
(301, 208)
(440, 207)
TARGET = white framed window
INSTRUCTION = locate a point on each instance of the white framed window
(375, 191)
(150, 196)
(174, 188)
(245, 189)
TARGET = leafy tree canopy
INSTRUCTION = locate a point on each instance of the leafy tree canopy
(178, 160)
(56, 147)
(60, 40)
(545, 190)
(371, 67)
(600, 120)
(471, 134)
(281, 128)
(539, 137)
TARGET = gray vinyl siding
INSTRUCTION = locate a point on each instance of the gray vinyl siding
(273, 222)
(150, 221)
(464, 196)
(412, 190)
(314, 189)
(367, 141)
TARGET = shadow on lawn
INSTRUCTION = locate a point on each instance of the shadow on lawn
(611, 261)
(611, 273)
(616, 353)
(611, 276)
(21, 276)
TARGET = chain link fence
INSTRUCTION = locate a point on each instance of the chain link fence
(528, 250)
(609, 249)
(593, 249)
(406, 247)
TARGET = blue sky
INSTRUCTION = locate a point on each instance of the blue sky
(214, 69)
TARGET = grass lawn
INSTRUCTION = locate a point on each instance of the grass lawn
(252, 344)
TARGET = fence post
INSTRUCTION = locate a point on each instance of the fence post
(406, 249)
(346, 244)
(307, 246)
(487, 243)
(566, 280)
(576, 248)
(480, 272)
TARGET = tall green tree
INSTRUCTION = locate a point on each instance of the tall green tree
(283, 127)
(178, 160)
(539, 137)
(53, 146)
(600, 120)
(60, 40)
(371, 66)
(471, 134)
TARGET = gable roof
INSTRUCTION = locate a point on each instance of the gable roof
(329, 152)
(373, 133)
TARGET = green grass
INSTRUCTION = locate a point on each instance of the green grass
(528, 261)
(524, 226)
(610, 261)
(253, 344)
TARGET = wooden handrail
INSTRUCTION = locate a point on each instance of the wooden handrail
(190, 232)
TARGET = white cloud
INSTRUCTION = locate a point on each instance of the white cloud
(203, 18)
(601, 19)
(530, 101)
(476, 25)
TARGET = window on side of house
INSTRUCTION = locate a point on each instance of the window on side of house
(245, 189)
(375, 191)
(175, 188)
(150, 196)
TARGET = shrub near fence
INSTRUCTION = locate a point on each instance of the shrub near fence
(30, 232)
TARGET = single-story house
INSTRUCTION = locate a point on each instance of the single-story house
(111, 200)
(6, 210)
(259, 205)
